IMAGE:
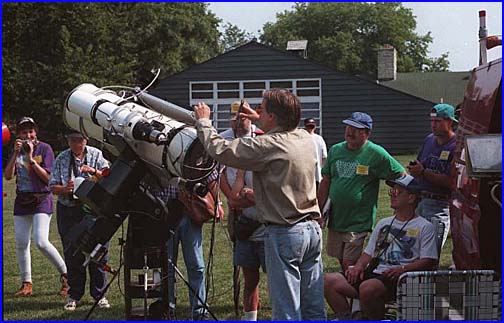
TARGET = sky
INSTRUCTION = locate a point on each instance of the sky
(454, 25)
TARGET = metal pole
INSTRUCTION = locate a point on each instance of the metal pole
(483, 33)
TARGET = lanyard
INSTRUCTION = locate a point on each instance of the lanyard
(384, 244)
(72, 168)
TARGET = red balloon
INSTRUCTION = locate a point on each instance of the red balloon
(5, 134)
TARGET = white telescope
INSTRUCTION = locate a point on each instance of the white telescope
(164, 139)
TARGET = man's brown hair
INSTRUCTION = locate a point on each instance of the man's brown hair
(285, 106)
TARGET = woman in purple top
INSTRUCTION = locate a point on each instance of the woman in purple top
(31, 163)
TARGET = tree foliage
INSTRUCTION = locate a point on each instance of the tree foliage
(345, 36)
(233, 37)
(50, 48)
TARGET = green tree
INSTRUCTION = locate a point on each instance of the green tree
(233, 37)
(345, 36)
(50, 48)
(438, 64)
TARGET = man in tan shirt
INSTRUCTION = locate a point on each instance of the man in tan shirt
(282, 161)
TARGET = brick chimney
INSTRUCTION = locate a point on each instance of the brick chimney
(387, 63)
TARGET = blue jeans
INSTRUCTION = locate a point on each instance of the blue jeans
(295, 276)
(190, 236)
(440, 209)
(249, 254)
(66, 219)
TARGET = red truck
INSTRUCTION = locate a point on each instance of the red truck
(476, 211)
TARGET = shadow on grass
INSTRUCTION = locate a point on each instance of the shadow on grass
(47, 306)
(36, 308)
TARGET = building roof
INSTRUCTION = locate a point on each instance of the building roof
(432, 86)
(340, 95)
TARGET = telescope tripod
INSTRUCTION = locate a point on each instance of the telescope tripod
(150, 286)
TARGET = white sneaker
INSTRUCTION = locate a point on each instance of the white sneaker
(70, 305)
(103, 303)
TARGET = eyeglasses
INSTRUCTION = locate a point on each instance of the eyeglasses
(395, 192)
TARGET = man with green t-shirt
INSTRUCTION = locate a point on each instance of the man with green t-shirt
(351, 178)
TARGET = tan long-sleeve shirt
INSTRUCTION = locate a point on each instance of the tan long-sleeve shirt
(282, 163)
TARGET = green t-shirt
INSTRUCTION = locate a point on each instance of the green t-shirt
(355, 180)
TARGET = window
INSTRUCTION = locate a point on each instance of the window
(220, 94)
(281, 84)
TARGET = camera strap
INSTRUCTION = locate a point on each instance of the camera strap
(72, 167)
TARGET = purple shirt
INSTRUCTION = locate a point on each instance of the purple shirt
(438, 159)
(27, 181)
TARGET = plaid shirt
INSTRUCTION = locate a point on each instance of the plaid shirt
(60, 174)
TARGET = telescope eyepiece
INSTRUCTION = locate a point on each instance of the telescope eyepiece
(200, 189)
(149, 132)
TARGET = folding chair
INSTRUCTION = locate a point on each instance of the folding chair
(449, 295)
(440, 227)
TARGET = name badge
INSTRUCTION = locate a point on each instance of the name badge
(38, 159)
(412, 232)
(444, 155)
(362, 170)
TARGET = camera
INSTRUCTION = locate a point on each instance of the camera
(413, 163)
(25, 145)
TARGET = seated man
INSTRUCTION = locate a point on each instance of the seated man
(400, 243)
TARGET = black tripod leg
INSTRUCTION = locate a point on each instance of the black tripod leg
(192, 289)
(116, 273)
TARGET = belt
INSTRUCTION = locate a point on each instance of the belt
(435, 196)
(308, 217)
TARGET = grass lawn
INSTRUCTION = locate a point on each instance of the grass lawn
(44, 304)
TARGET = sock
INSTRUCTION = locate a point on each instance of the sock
(250, 316)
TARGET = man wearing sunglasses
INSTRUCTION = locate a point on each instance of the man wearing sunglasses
(400, 243)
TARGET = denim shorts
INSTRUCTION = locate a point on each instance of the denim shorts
(249, 254)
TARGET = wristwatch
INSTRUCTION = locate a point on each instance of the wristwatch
(32, 162)
(94, 173)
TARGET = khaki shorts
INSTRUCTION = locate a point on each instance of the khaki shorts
(345, 245)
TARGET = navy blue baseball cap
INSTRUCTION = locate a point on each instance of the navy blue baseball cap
(359, 120)
(406, 181)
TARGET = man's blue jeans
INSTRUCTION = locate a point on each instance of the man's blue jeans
(189, 235)
(440, 209)
(295, 275)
